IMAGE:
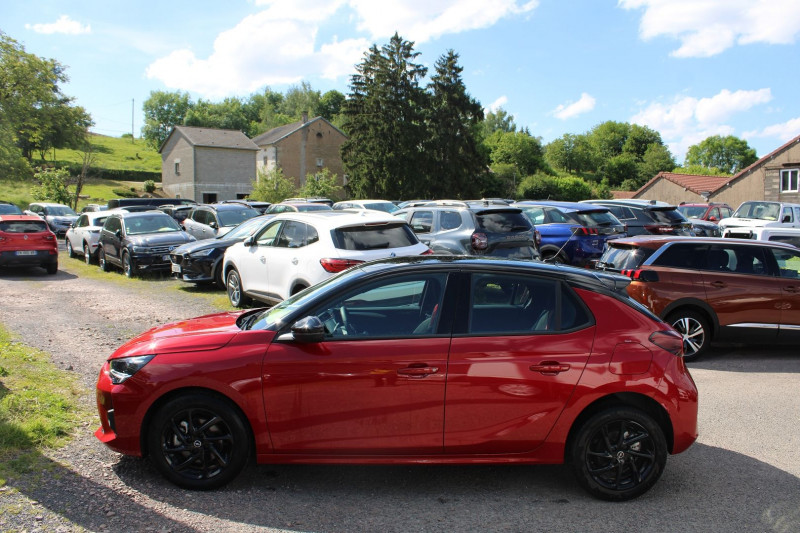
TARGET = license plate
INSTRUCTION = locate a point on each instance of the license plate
(176, 268)
(26, 252)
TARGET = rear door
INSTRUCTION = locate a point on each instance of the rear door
(518, 350)
(788, 269)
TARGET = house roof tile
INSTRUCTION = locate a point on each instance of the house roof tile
(210, 137)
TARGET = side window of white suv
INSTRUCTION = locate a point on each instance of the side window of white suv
(268, 234)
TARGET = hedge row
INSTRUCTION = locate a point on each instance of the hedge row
(113, 173)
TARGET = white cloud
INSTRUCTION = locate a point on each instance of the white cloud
(784, 131)
(497, 104)
(279, 45)
(687, 120)
(64, 25)
(709, 27)
(584, 105)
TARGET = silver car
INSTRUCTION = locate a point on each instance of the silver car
(82, 237)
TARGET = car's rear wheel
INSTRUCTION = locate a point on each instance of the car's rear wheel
(127, 265)
(199, 441)
(70, 251)
(101, 260)
(619, 454)
(52, 268)
(551, 256)
(87, 255)
(234, 287)
(695, 331)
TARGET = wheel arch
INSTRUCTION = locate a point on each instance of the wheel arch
(175, 393)
(697, 305)
(297, 286)
(638, 401)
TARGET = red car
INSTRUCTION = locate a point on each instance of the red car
(25, 240)
(412, 360)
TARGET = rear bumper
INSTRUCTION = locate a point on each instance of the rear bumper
(41, 258)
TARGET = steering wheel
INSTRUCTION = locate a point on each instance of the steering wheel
(345, 319)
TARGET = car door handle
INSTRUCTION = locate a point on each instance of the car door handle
(263, 259)
(295, 261)
(549, 368)
(415, 371)
(719, 284)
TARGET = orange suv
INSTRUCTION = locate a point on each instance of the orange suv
(713, 289)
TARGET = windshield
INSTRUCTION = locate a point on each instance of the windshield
(759, 210)
(234, 217)
(245, 228)
(60, 211)
(692, 211)
(150, 224)
(386, 207)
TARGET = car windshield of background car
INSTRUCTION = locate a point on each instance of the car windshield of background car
(386, 207)
(692, 211)
(759, 210)
(374, 237)
(314, 207)
(61, 211)
(234, 217)
(244, 229)
(9, 209)
(152, 224)
(503, 222)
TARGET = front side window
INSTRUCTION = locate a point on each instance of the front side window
(789, 180)
(503, 304)
(234, 217)
(296, 235)
(787, 215)
(404, 306)
(788, 263)
(267, 236)
(82, 221)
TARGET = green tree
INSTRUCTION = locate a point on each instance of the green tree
(162, 112)
(321, 185)
(330, 105)
(728, 154)
(385, 118)
(620, 168)
(498, 120)
(229, 114)
(608, 139)
(272, 186)
(53, 186)
(572, 153)
(299, 99)
(452, 147)
(657, 158)
(517, 148)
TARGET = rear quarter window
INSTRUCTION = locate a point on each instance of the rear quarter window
(374, 237)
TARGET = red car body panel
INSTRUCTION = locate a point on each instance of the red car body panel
(30, 248)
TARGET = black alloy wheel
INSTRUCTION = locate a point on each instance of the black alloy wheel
(619, 454)
(199, 442)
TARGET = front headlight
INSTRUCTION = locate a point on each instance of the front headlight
(123, 368)
(141, 250)
(202, 253)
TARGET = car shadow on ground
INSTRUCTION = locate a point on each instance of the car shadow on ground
(704, 486)
(33, 274)
(775, 358)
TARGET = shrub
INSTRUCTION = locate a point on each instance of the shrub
(149, 186)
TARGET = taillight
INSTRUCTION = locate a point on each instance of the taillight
(582, 230)
(659, 228)
(670, 341)
(49, 237)
(337, 265)
(480, 241)
(639, 274)
(427, 252)
(537, 237)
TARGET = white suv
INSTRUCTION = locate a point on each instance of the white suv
(760, 214)
(83, 236)
(297, 250)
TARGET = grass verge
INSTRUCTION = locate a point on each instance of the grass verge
(40, 407)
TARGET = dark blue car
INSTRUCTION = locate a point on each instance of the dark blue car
(571, 233)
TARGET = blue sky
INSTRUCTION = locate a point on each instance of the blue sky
(686, 68)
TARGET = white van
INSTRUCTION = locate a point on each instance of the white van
(787, 235)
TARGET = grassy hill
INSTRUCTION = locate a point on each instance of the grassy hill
(119, 163)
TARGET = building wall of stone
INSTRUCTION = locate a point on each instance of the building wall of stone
(178, 152)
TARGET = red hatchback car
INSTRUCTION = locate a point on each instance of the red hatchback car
(25, 240)
(412, 360)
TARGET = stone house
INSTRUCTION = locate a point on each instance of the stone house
(302, 148)
(774, 177)
(207, 165)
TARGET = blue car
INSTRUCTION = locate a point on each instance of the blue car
(572, 233)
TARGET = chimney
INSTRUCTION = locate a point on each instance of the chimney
(305, 117)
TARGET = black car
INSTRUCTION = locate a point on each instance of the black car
(139, 241)
(473, 228)
(201, 261)
(647, 217)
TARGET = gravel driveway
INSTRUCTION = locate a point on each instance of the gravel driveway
(742, 475)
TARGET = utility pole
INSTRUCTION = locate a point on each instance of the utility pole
(132, 121)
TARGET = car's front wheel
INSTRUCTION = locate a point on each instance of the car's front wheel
(234, 286)
(695, 331)
(619, 454)
(127, 265)
(199, 441)
(70, 250)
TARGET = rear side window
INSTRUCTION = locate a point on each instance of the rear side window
(622, 212)
(450, 220)
(22, 226)
(624, 257)
(376, 237)
(682, 256)
(502, 221)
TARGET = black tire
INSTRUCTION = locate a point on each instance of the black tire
(233, 285)
(128, 268)
(619, 454)
(219, 280)
(70, 252)
(101, 260)
(52, 268)
(695, 330)
(87, 255)
(549, 256)
(198, 441)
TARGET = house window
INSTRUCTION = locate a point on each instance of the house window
(209, 197)
(319, 162)
(789, 180)
(177, 166)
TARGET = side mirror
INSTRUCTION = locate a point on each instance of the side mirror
(249, 241)
(309, 330)
(712, 218)
(118, 234)
(787, 218)
(212, 225)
